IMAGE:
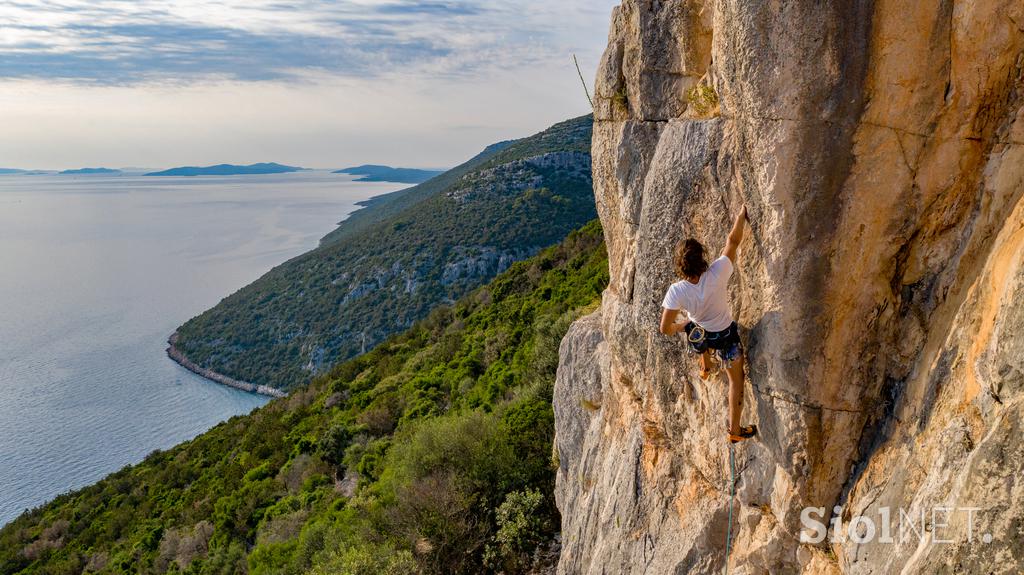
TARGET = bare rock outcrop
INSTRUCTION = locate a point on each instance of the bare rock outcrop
(879, 147)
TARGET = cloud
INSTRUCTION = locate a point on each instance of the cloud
(112, 42)
(301, 82)
(445, 8)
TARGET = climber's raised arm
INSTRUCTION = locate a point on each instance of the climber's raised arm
(735, 236)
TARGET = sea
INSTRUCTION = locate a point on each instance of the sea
(96, 271)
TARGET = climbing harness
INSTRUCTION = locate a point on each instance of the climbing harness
(701, 341)
(697, 337)
(732, 497)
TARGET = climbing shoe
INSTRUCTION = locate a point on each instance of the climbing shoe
(746, 432)
(705, 372)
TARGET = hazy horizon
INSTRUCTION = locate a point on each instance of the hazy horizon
(410, 83)
(138, 169)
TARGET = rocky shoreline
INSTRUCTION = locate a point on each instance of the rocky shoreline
(174, 353)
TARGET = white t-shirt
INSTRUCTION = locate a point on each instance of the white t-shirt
(707, 301)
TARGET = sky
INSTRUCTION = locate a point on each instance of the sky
(417, 83)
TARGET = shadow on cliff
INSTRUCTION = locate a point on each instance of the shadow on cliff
(768, 424)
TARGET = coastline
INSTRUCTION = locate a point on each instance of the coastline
(174, 353)
(179, 357)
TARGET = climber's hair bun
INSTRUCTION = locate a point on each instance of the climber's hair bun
(689, 259)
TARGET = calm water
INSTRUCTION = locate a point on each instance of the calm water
(95, 273)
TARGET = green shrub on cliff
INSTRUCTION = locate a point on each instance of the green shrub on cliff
(430, 453)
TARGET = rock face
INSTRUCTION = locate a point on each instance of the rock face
(476, 263)
(879, 147)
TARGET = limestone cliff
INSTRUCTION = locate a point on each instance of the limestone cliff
(879, 147)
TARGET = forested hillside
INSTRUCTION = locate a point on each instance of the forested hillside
(431, 453)
(397, 259)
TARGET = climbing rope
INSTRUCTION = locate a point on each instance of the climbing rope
(732, 496)
(585, 89)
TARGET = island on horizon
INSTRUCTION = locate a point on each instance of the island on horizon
(89, 171)
(228, 170)
(377, 173)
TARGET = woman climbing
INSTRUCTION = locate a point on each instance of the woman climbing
(703, 292)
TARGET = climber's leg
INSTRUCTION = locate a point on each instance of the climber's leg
(705, 364)
(701, 348)
(735, 372)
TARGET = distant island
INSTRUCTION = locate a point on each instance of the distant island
(227, 170)
(374, 173)
(19, 172)
(89, 171)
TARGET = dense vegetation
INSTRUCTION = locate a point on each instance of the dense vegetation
(429, 454)
(385, 206)
(399, 258)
